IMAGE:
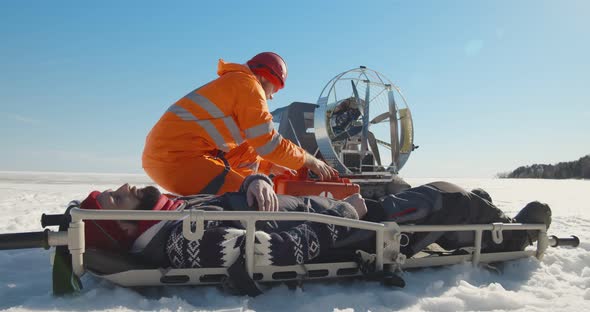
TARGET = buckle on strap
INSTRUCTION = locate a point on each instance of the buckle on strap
(497, 236)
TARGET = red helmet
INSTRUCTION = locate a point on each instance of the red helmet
(270, 66)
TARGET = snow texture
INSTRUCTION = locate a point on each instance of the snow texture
(560, 282)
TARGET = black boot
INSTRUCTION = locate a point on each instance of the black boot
(482, 193)
(533, 213)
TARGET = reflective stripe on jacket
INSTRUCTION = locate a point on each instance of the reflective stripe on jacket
(220, 115)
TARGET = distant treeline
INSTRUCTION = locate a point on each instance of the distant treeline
(578, 169)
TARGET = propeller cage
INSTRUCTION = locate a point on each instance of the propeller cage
(363, 123)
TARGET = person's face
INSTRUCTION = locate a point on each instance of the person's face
(269, 88)
(358, 202)
(124, 198)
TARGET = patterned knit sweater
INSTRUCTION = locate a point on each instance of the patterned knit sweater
(276, 243)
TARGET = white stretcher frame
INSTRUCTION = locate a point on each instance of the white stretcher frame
(388, 256)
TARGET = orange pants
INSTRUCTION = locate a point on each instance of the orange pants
(192, 175)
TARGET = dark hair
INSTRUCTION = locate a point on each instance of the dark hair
(149, 198)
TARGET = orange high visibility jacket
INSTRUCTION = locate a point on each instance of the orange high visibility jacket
(220, 115)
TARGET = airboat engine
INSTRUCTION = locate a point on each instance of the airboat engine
(361, 125)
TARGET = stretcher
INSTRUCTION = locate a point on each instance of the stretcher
(72, 259)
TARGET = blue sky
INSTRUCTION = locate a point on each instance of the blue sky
(492, 84)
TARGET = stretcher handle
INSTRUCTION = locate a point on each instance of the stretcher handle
(54, 219)
(572, 241)
(24, 240)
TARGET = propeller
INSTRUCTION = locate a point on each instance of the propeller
(356, 94)
(373, 144)
(380, 118)
(365, 128)
(368, 137)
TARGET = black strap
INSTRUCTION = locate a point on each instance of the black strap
(241, 281)
(215, 184)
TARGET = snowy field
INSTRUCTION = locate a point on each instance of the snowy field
(559, 282)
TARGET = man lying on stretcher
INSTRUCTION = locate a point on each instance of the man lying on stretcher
(287, 242)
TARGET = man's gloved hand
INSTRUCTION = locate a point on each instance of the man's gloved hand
(320, 168)
(264, 195)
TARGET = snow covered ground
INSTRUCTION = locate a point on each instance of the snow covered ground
(560, 282)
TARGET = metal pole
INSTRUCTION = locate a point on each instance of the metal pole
(76, 245)
(250, 241)
(379, 250)
(477, 252)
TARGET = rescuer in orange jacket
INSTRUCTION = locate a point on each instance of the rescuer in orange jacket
(216, 135)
